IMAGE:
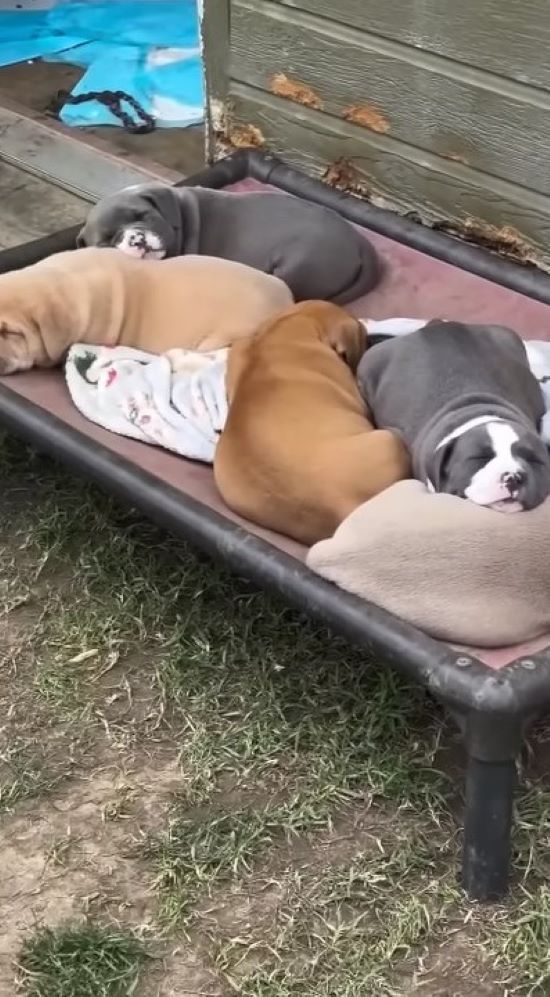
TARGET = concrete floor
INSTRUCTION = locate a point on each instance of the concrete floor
(31, 207)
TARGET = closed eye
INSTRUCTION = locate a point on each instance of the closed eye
(528, 455)
(484, 455)
(132, 217)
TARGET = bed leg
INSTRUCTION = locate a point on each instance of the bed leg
(493, 744)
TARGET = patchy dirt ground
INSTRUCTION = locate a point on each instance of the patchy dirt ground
(78, 853)
(186, 763)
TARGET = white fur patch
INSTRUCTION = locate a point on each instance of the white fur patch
(480, 420)
(392, 326)
(488, 486)
(141, 244)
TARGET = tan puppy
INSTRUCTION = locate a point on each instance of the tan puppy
(104, 297)
(298, 453)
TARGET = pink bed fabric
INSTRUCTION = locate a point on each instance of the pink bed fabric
(417, 286)
(413, 285)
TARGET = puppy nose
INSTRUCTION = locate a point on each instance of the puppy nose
(512, 480)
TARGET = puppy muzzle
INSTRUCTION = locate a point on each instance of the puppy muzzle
(140, 243)
(511, 484)
(508, 491)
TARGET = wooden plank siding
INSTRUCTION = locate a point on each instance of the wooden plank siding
(405, 179)
(423, 100)
(508, 37)
(424, 105)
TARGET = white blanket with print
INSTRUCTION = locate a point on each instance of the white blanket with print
(176, 400)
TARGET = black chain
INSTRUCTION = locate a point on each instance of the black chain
(113, 100)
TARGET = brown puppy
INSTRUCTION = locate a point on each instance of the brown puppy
(298, 453)
(105, 297)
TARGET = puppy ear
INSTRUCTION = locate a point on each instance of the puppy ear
(347, 337)
(14, 352)
(437, 466)
(179, 209)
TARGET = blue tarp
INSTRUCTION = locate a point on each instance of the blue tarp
(147, 48)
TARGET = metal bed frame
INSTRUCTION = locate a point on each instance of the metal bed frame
(492, 707)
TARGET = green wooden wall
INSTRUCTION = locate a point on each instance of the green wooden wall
(441, 107)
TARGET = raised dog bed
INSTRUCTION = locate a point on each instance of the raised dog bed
(491, 694)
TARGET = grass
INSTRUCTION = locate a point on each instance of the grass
(310, 848)
(85, 961)
(30, 780)
(518, 934)
(525, 946)
(197, 855)
(340, 929)
(24, 773)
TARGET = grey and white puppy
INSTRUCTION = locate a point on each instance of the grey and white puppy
(311, 248)
(467, 406)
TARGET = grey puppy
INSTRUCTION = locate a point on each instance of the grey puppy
(466, 404)
(311, 248)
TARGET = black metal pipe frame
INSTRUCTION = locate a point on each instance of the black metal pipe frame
(487, 832)
(493, 706)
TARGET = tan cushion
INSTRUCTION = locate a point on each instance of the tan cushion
(455, 570)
